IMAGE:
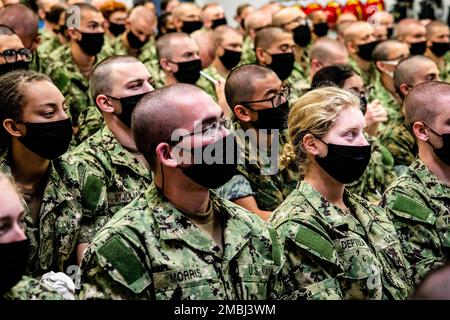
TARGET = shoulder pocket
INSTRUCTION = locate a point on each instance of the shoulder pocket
(126, 268)
(410, 209)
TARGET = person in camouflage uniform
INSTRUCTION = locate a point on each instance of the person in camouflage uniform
(267, 182)
(274, 49)
(380, 170)
(228, 50)
(386, 56)
(193, 246)
(254, 22)
(438, 37)
(397, 135)
(360, 41)
(70, 65)
(419, 201)
(13, 242)
(52, 213)
(336, 245)
(110, 169)
(10, 41)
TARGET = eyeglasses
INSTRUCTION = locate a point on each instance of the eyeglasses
(11, 55)
(275, 99)
(211, 130)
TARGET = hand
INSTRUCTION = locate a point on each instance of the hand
(375, 114)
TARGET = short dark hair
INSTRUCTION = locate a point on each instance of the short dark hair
(12, 98)
(335, 74)
(238, 87)
(55, 13)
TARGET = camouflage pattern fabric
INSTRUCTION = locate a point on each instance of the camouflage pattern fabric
(31, 289)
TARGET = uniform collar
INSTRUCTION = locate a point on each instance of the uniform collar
(434, 187)
(173, 225)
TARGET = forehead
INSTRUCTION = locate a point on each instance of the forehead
(10, 42)
(188, 11)
(440, 30)
(213, 10)
(184, 44)
(42, 92)
(91, 15)
(349, 117)
(354, 81)
(416, 29)
(283, 38)
(196, 107)
(268, 83)
(397, 50)
(124, 72)
(232, 37)
(9, 199)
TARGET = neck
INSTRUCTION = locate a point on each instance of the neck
(388, 83)
(27, 167)
(190, 199)
(81, 59)
(220, 67)
(120, 131)
(435, 165)
(170, 79)
(298, 52)
(328, 187)
(440, 61)
(363, 64)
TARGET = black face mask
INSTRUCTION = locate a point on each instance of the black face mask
(321, 29)
(18, 65)
(189, 71)
(13, 263)
(212, 176)
(49, 140)
(91, 43)
(390, 32)
(345, 163)
(218, 22)
(273, 118)
(170, 30)
(418, 48)
(128, 105)
(365, 50)
(191, 26)
(282, 64)
(230, 59)
(440, 48)
(134, 41)
(116, 29)
(302, 35)
(442, 153)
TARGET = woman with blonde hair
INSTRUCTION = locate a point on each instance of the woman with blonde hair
(336, 244)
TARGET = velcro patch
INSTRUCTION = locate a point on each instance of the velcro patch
(314, 242)
(126, 263)
(91, 192)
(413, 209)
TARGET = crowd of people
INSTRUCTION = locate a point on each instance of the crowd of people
(173, 156)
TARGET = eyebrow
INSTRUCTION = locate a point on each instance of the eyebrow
(49, 104)
(211, 119)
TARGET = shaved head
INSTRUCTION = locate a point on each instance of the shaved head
(406, 27)
(425, 100)
(435, 27)
(354, 30)
(101, 80)
(23, 21)
(239, 88)
(159, 113)
(286, 15)
(388, 49)
(142, 13)
(223, 32)
(257, 19)
(184, 9)
(435, 285)
(267, 36)
(326, 50)
(165, 43)
(346, 17)
(410, 68)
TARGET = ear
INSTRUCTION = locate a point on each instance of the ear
(243, 114)
(220, 51)
(420, 131)
(316, 64)
(310, 144)
(163, 155)
(404, 89)
(379, 65)
(35, 44)
(104, 103)
(177, 23)
(261, 56)
(165, 64)
(351, 47)
(11, 127)
(73, 34)
(127, 24)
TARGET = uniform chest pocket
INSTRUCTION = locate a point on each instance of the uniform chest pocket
(255, 280)
(443, 228)
(357, 258)
(195, 283)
